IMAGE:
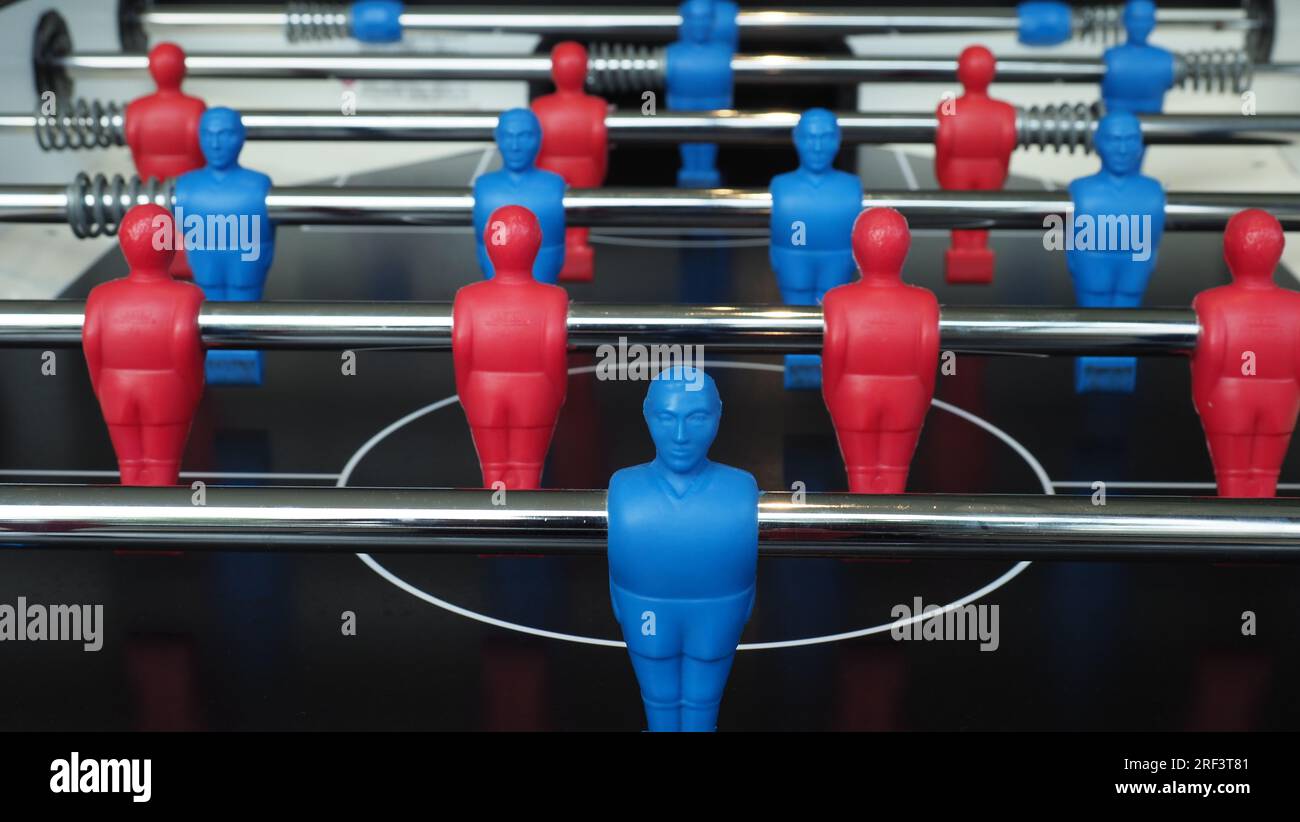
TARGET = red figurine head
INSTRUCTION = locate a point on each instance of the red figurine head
(569, 66)
(146, 236)
(167, 66)
(512, 238)
(880, 243)
(1252, 246)
(975, 69)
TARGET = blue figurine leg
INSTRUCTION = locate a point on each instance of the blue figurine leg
(549, 262)
(660, 681)
(1097, 282)
(699, 166)
(796, 276)
(703, 682)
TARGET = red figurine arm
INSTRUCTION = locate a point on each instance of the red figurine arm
(462, 338)
(90, 339)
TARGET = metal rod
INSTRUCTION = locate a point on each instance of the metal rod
(574, 522)
(332, 325)
(1045, 127)
(662, 23)
(629, 207)
(747, 68)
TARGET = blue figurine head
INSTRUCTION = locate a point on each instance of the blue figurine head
(221, 137)
(697, 21)
(1119, 143)
(817, 139)
(1139, 20)
(519, 136)
(682, 409)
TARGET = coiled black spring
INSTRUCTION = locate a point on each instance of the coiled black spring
(1104, 24)
(84, 124)
(1064, 126)
(621, 67)
(1215, 70)
(97, 205)
(306, 22)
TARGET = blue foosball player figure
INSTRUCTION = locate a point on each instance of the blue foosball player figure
(1119, 217)
(813, 209)
(521, 183)
(229, 238)
(683, 555)
(699, 78)
(1137, 73)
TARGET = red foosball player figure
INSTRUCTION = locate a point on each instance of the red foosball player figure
(162, 129)
(509, 345)
(879, 357)
(144, 353)
(1246, 367)
(574, 144)
(973, 144)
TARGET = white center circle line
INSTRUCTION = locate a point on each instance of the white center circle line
(451, 607)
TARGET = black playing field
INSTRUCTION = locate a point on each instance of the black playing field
(243, 641)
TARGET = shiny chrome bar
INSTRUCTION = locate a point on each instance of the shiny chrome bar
(630, 207)
(662, 23)
(574, 522)
(747, 68)
(334, 326)
(1056, 126)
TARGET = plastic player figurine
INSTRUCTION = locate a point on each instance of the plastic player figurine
(144, 353)
(509, 344)
(698, 79)
(1137, 74)
(879, 357)
(574, 144)
(519, 136)
(162, 128)
(725, 28)
(1246, 367)
(813, 209)
(973, 146)
(1119, 217)
(229, 238)
(683, 554)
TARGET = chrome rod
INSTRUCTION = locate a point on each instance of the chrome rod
(663, 22)
(99, 201)
(628, 207)
(574, 522)
(1044, 127)
(336, 325)
(747, 68)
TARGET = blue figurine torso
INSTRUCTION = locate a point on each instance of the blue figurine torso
(1111, 277)
(827, 207)
(1137, 77)
(691, 559)
(539, 191)
(225, 273)
(698, 76)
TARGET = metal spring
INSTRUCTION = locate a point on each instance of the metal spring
(97, 205)
(1059, 126)
(306, 22)
(1104, 24)
(84, 124)
(1215, 70)
(620, 67)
